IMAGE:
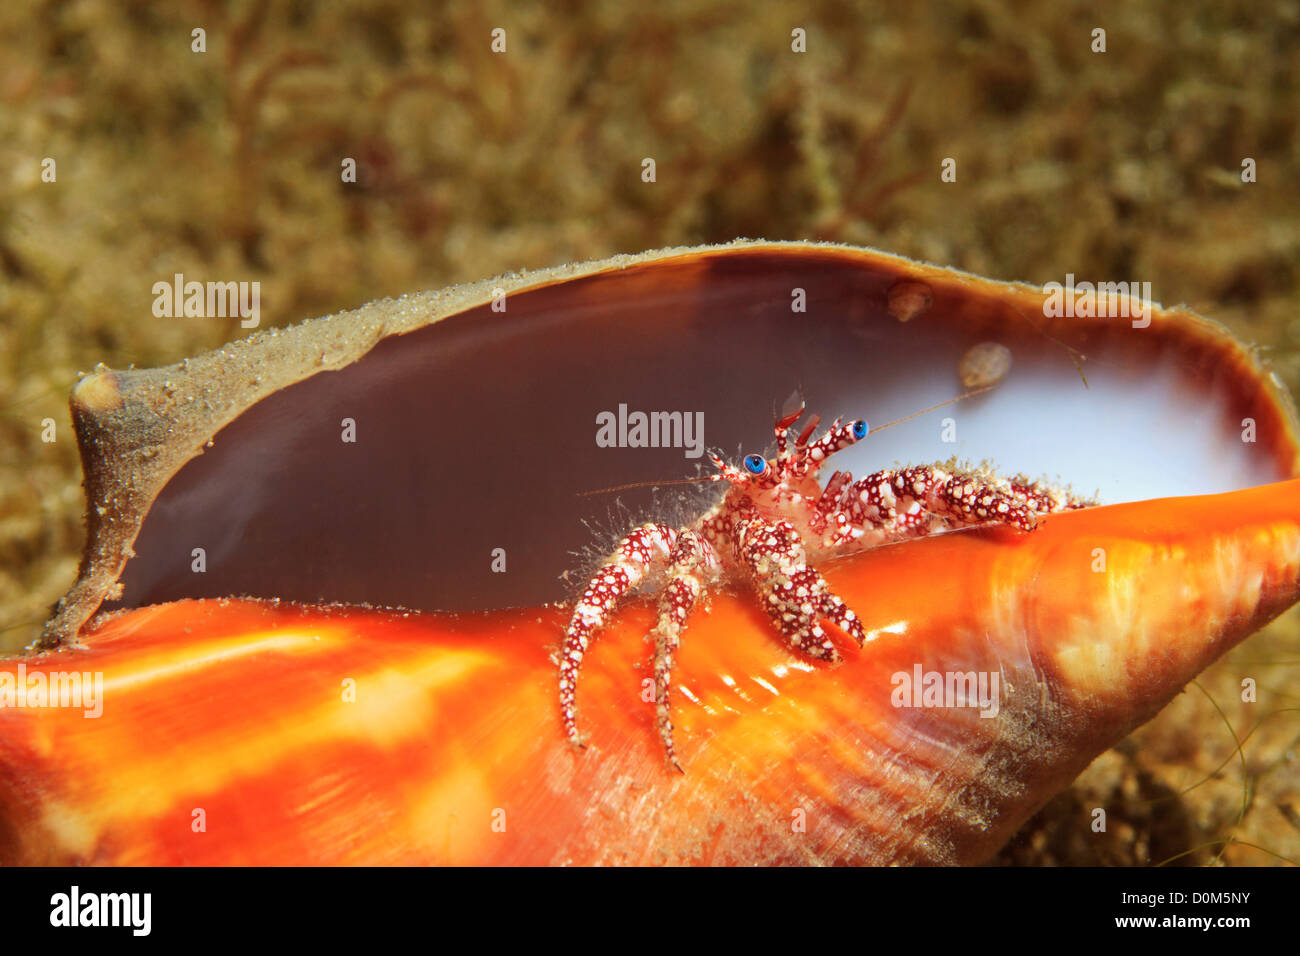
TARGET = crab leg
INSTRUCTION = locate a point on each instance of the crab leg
(827, 517)
(795, 596)
(903, 502)
(690, 557)
(626, 568)
(1045, 499)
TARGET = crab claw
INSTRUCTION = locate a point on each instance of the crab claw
(791, 409)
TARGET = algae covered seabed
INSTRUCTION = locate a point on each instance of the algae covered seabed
(1122, 165)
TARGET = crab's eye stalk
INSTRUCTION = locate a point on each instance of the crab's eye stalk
(860, 429)
(755, 464)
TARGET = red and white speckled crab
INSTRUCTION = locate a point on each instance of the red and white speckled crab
(775, 521)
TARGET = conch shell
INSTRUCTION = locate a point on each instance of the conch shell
(345, 734)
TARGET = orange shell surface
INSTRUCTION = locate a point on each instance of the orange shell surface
(229, 733)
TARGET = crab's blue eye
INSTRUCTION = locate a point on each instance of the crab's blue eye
(756, 464)
(860, 428)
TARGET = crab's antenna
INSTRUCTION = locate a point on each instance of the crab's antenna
(965, 395)
(644, 484)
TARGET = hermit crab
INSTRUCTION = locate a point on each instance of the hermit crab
(774, 521)
(330, 571)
